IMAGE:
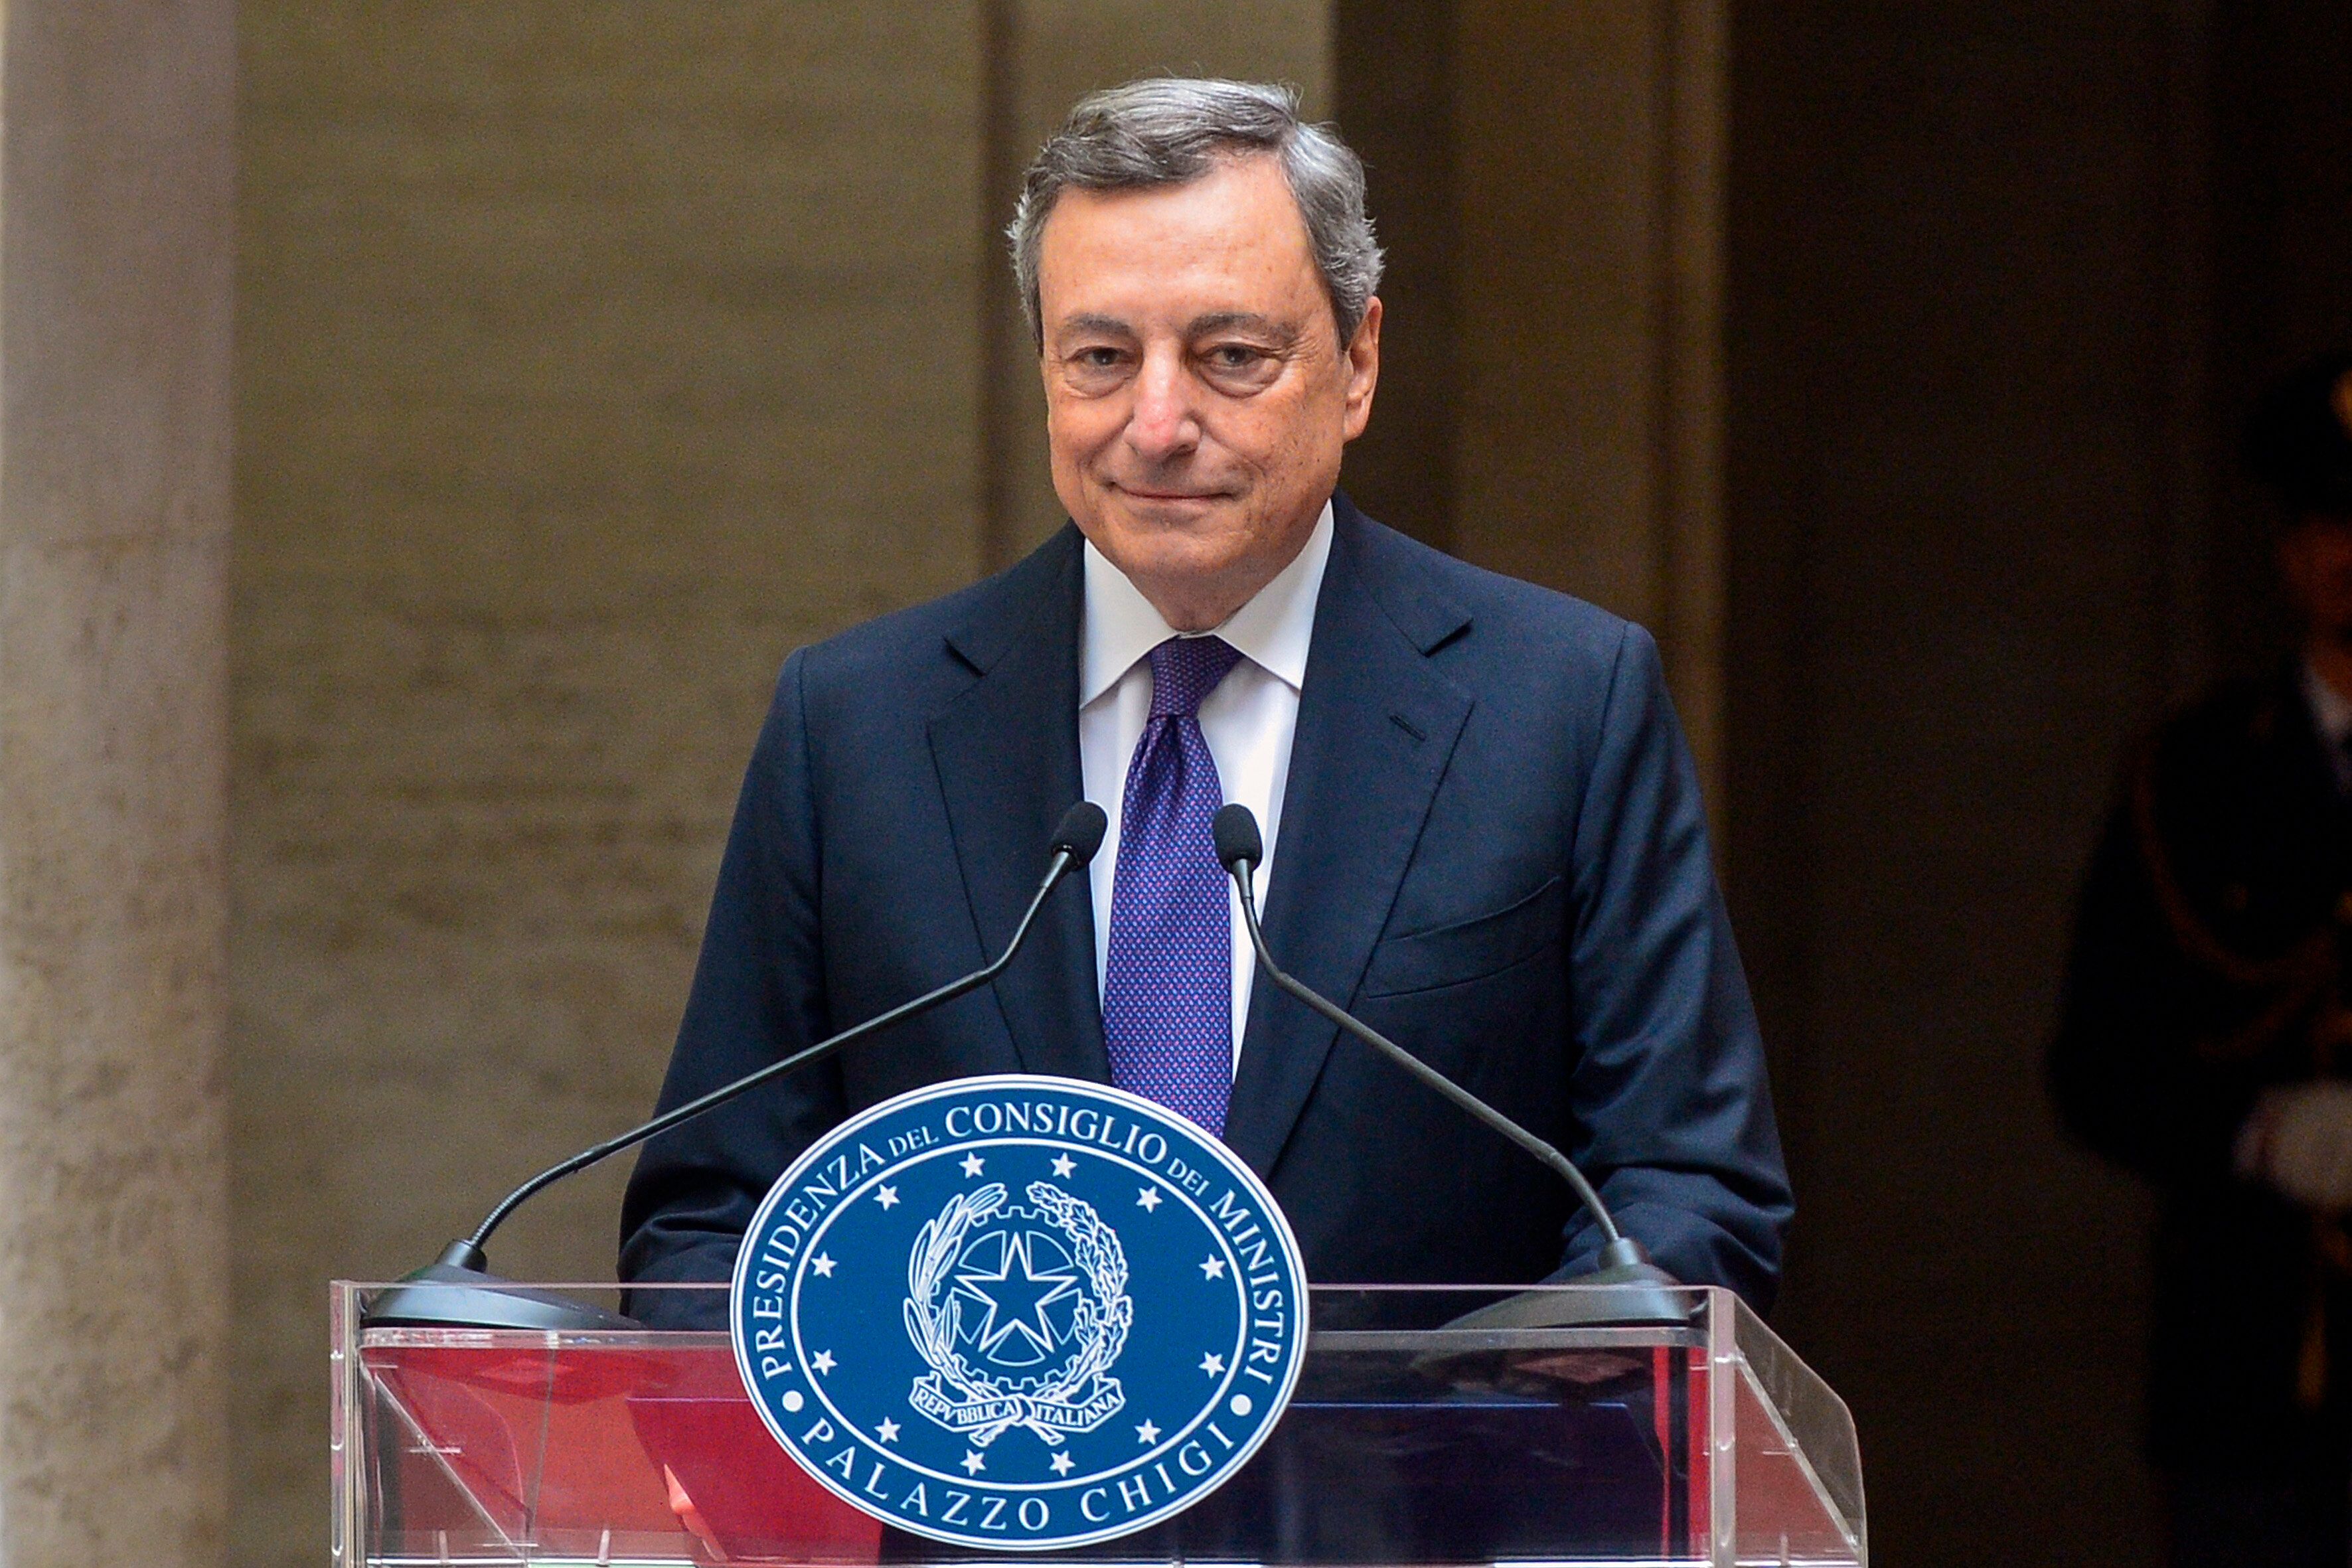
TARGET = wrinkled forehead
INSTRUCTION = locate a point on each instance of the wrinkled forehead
(1230, 243)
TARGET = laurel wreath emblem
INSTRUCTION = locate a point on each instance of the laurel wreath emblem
(982, 1406)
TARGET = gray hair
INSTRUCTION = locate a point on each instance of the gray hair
(1170, 131)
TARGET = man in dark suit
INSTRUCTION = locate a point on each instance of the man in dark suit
(2205, 1041)
(1483, 830)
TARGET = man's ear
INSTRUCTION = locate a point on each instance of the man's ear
(1363, 369)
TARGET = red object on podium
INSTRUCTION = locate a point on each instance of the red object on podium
(642, 1441)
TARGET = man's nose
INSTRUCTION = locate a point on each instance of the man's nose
(1165, 422)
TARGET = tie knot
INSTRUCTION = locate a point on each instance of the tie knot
(1184, 670)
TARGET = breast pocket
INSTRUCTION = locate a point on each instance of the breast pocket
(1468, 950)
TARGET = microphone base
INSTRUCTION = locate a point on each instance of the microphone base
(458, 1292)
(1639, 1294)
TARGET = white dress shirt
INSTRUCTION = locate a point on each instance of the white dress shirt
(1248, 720)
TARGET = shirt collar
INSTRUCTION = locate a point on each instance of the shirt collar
(1272, 631)
(2330, 711)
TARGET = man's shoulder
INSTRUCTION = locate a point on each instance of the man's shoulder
(1399, 565)
(971, 626)
(1464, 615)
(1468, 613)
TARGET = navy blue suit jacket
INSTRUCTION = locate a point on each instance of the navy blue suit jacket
(1493, 850)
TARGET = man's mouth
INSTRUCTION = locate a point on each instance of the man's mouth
(1139, 493)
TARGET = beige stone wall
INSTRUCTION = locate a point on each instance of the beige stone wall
(114, 450)
(1588, 315)
(591, 356)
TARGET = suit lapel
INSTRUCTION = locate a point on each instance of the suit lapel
(1007, 753)
(1377, 725)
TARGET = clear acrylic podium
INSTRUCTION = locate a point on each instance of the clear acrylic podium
(1406, 1443)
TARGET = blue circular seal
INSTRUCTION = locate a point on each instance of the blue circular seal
(1019, 1312)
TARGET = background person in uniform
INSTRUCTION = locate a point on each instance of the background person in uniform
(1483, 829)
(2206, 1041)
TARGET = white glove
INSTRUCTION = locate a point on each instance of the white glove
(2299, 1139)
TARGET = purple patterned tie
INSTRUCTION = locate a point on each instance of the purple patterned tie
(1167, 979)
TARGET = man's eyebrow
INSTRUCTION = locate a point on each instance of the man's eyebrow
(1089, 324)
(1242, 321)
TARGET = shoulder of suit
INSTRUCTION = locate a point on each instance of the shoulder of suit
(1436, 598)
(974, 623)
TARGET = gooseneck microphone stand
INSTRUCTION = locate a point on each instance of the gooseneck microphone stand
(457, 1290)
(1646, 1294)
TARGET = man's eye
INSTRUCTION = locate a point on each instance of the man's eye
(1097, 358)
(1234, 356)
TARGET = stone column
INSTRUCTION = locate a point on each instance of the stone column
(115, 122)
(1548, 181)
(1589, 318)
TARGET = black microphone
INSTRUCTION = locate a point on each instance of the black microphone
(457, 1292)
(1621, 1261)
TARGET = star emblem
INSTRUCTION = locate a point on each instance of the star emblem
(1147, 1200)
(1062, 1464)
(1013, 1330)
(1147, 1433)
(971, 1164)
(1213, 1365)
(888, 1431)
(886, 1196)
(1214, 1268)
(822, 1264)
(821, 1361)
(973, 1463)
(1063, 1166)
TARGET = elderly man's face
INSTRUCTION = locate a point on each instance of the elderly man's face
(1197, 395)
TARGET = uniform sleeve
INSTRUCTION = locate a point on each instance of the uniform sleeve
(1669, 1087)
(758, 996)
(2133, 1067)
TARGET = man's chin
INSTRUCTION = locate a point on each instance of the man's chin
(1167, 556)
(1162, 559)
